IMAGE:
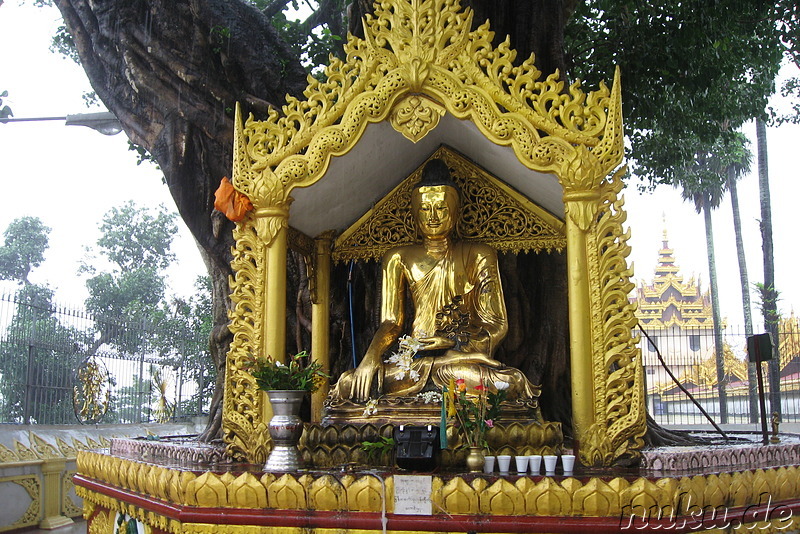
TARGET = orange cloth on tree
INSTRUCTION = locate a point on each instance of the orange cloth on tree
(231, 202)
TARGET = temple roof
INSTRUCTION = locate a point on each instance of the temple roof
(667, 300)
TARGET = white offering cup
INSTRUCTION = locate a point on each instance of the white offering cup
(488, 464)
(522, 464)
(550, 461)
(535, 463)
(568, 462)
(503, 463)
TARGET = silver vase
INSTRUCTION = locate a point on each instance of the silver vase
(285, 428)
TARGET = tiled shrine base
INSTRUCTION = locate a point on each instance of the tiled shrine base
(332, 446)
(167, 493)
(741, 454)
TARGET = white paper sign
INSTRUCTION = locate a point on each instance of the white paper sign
(412, 494)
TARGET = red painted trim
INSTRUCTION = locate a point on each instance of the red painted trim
(441, 523)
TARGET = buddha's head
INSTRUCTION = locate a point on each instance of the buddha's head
(435, 200)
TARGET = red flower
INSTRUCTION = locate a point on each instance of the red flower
(489, 423)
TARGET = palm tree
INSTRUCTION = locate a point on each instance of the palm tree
(769, 294)
(701, 183)
(740, 159)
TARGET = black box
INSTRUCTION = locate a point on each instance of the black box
(417, 447)
(759, 348)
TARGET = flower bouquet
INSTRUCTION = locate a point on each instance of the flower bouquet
(474, 412)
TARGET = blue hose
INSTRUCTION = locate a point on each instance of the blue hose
(352, 323)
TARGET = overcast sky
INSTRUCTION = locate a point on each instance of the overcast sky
(70, 176)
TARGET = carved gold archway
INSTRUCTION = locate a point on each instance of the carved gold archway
(419, 62)
(491, 213)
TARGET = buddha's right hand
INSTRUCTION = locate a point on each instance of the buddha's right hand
(362, 379)
(437, 343)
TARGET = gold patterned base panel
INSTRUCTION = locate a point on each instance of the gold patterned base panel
(410, 411)
(240, 498)
(332, 446)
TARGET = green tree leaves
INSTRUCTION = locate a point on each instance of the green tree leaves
(136, 243)
(26, 240)
(135, 237)
(133, 315)
(691, 70)
(705, 175)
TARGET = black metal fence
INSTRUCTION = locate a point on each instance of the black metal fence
(157, 372)
(690, 356)
(57, 364)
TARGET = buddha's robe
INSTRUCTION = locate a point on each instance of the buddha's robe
(468, 270)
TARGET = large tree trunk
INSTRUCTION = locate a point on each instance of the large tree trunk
(534, 27)
(769, 294)
(752, 389)
(172, 72)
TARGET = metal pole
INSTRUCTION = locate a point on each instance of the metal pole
(104, 122)
(31, 119)
(141, 386)
(761, 403)
(28, 402)
(179, 394)
(200, 385)
(29, 379)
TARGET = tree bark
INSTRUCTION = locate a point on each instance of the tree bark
(769, 296)
(752, 378)
(534, 27)
(719, 348)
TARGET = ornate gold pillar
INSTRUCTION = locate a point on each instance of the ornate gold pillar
(52, 473)
(608, 414)
(580, 206)
(320, 318)
(271, 226)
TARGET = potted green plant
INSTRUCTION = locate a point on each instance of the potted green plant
(301, 374)
(286, 386)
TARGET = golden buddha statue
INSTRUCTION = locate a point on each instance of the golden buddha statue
(459, 309)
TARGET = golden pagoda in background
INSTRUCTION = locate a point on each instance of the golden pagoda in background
(676, 315)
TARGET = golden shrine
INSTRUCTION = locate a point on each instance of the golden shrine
(677, 316)
(329, 175)
(419, 79)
